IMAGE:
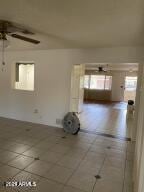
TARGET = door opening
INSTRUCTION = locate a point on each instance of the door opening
(130, 88)
(99, 97)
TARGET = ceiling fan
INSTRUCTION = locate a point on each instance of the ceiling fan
(11, 29)
(8, 28)
(102, 69)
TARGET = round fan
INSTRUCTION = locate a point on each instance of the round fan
(71, 123)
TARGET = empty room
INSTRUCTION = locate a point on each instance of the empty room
(71, 96)
(107, 90)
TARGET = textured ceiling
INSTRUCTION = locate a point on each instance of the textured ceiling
(77, 23)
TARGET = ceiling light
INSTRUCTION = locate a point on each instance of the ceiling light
(131, 70)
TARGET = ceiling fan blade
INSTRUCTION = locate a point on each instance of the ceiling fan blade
(25, 38)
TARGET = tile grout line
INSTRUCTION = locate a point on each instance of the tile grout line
(18, 154)
(125, 169)
(78, 166)
(29, 164)
(20, 170)
(99, 172)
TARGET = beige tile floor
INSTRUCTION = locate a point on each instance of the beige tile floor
(109, 118)
(64, 164)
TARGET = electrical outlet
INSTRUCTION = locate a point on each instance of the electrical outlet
(58, 121)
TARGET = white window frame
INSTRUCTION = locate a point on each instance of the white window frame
(16, 78)
(89, 83)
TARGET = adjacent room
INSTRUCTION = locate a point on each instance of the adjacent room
(71, 96)
(107, 89)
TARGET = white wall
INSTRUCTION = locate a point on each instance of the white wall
(52, 81)
(137, 101)
(52, 87)
(139, 127)
(118, 80)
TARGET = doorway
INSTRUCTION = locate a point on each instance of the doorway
(130, 88)
(98, 97)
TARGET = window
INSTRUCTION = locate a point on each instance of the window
(97, 82)
(100, 82)
(108, 82)
(86, 81)
(24, 78)
(130, 83)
